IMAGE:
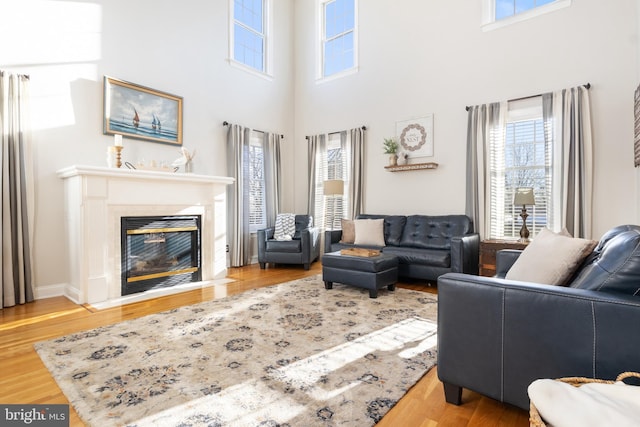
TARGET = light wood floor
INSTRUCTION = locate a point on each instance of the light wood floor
(24, 379)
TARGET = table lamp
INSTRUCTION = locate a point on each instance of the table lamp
(524, 196)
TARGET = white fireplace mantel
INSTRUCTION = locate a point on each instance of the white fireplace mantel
(97, 198)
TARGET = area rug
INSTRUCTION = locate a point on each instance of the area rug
(293, 354)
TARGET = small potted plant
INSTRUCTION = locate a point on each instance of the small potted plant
(390, 147)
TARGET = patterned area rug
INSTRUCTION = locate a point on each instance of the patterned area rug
(293, 354)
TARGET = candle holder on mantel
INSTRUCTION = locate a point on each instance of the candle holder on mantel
(118, 155)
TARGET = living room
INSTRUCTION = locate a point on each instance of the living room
(415, 58)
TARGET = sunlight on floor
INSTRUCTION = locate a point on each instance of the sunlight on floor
(253, 402)
(38, 319)
(218, 284)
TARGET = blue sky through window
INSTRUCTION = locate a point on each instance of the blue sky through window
(507, 8)
(249, 12)
(339, 24)
(248, 37)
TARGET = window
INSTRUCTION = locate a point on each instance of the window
(522, 160)
(338, 37)
(257, 203)
(333, 166)
(507, 8)
(498, 13)
(249, 36)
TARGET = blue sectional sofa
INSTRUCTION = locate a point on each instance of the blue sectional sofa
(426, 246)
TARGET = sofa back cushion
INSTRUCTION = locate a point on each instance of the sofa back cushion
(614, 264)
(393, 228)
(434, 232)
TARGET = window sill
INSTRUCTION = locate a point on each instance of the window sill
(250, 70)
(336, 76)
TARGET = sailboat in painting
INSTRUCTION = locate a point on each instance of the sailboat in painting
(156, 125)
(136, 119)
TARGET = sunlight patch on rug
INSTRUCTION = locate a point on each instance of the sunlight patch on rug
(291, 354)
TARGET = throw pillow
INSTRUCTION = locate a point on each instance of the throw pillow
(369, 232)
(550, 258)
(285, 226)
(348, 231)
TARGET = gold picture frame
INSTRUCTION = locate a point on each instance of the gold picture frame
(140, 112)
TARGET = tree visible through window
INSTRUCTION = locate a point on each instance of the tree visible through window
(525, 166)
(520, 158)
(338, 36)
(249, 34)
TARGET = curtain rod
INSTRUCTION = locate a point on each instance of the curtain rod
(586, 86)
(333, 133)
(226, 123)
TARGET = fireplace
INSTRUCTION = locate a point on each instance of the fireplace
(159, 252)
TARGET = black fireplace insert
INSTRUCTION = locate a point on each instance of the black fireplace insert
(159, 252)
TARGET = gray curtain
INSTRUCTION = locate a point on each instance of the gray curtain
(355, 148)
(567, 118)
(317, 150)
(17, 191)
(483, 123)
(238, 233)
(272, 176)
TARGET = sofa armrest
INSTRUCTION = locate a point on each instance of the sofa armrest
(505, 259)
(262, 236)
(331, 237)
(496, 336)
(310, 242)
(465, 254)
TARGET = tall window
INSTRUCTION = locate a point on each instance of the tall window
(333, 166)
(249, 39)
(257, 202)
(498, 13)
(523, 161)
(338, 37)
(506, 8)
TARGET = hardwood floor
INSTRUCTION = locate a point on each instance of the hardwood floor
(24, 379)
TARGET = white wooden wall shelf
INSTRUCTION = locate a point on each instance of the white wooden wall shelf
(412, 167)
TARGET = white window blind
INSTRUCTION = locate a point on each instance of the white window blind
(520, 158)
(332, 165)
(257, 203)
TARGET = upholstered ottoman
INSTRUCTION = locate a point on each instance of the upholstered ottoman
(370, 273)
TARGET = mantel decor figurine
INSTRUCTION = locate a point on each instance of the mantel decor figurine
(186, 160)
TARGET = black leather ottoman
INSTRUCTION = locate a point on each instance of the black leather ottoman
(370, 273)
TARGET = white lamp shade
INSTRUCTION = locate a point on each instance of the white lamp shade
(524, 196)
(333, 187)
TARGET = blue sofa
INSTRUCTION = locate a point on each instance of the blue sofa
(496, 336)
(426, 246)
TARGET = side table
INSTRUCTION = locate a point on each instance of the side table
(488, 249)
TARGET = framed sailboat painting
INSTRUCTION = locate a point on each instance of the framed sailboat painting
(140, 112)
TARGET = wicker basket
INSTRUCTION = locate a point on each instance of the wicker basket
(535, 420)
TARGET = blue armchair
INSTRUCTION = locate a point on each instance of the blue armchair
(303, 248)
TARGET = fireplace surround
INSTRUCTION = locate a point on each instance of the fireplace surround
(96, 200)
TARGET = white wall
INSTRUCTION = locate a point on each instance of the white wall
(177, 47)
(416, 57)
(419, 57)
